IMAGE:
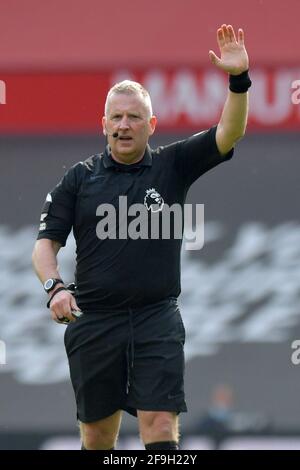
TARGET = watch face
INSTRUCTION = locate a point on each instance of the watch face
(48, 284)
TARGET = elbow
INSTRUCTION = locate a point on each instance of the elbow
(239, 136)
(241, 131)
(34, 255)
(227, 137)
(36, 252)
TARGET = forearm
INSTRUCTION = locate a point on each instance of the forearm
(235, 114)
(62, 304)
(44, 259)
(233, 122)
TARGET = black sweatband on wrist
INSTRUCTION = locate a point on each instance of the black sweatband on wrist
(53, 295)
(239, 83)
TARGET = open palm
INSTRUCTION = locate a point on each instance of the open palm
(234, 57)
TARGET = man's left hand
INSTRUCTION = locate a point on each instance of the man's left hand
(234, 57)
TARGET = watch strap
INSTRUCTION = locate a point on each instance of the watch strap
(55, 282)
(54, 293)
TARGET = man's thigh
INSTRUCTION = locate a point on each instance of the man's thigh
(109, 425)
(157, 373)
(96, 349)
(101, 434)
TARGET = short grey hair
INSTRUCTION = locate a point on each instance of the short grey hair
(130, 87)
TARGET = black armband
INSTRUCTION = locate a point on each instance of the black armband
(54, 293)
(239, 83)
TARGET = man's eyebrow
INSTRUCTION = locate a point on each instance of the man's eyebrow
(129, 112)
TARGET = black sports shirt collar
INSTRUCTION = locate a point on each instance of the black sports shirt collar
(109, 162)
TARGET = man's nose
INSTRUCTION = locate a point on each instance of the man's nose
(124, 124)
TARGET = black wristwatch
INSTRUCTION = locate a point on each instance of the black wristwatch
(51, 283)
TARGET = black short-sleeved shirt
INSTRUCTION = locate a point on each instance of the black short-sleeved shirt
(119, 272)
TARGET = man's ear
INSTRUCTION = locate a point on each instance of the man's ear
(104, 125)
(152, 124)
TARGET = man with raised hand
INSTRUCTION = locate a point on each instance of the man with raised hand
(125, 351)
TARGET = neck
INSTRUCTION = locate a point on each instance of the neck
(128, 160)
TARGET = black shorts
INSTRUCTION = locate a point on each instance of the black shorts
(127, 360)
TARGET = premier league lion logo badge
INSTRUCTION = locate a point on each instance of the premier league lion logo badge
(153, 200)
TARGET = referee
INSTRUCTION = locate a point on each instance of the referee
(125, 335)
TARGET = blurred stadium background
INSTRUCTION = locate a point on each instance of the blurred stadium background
(241, 292)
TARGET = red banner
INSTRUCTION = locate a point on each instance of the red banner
(183, 99)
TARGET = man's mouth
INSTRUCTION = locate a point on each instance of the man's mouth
(125, 137)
